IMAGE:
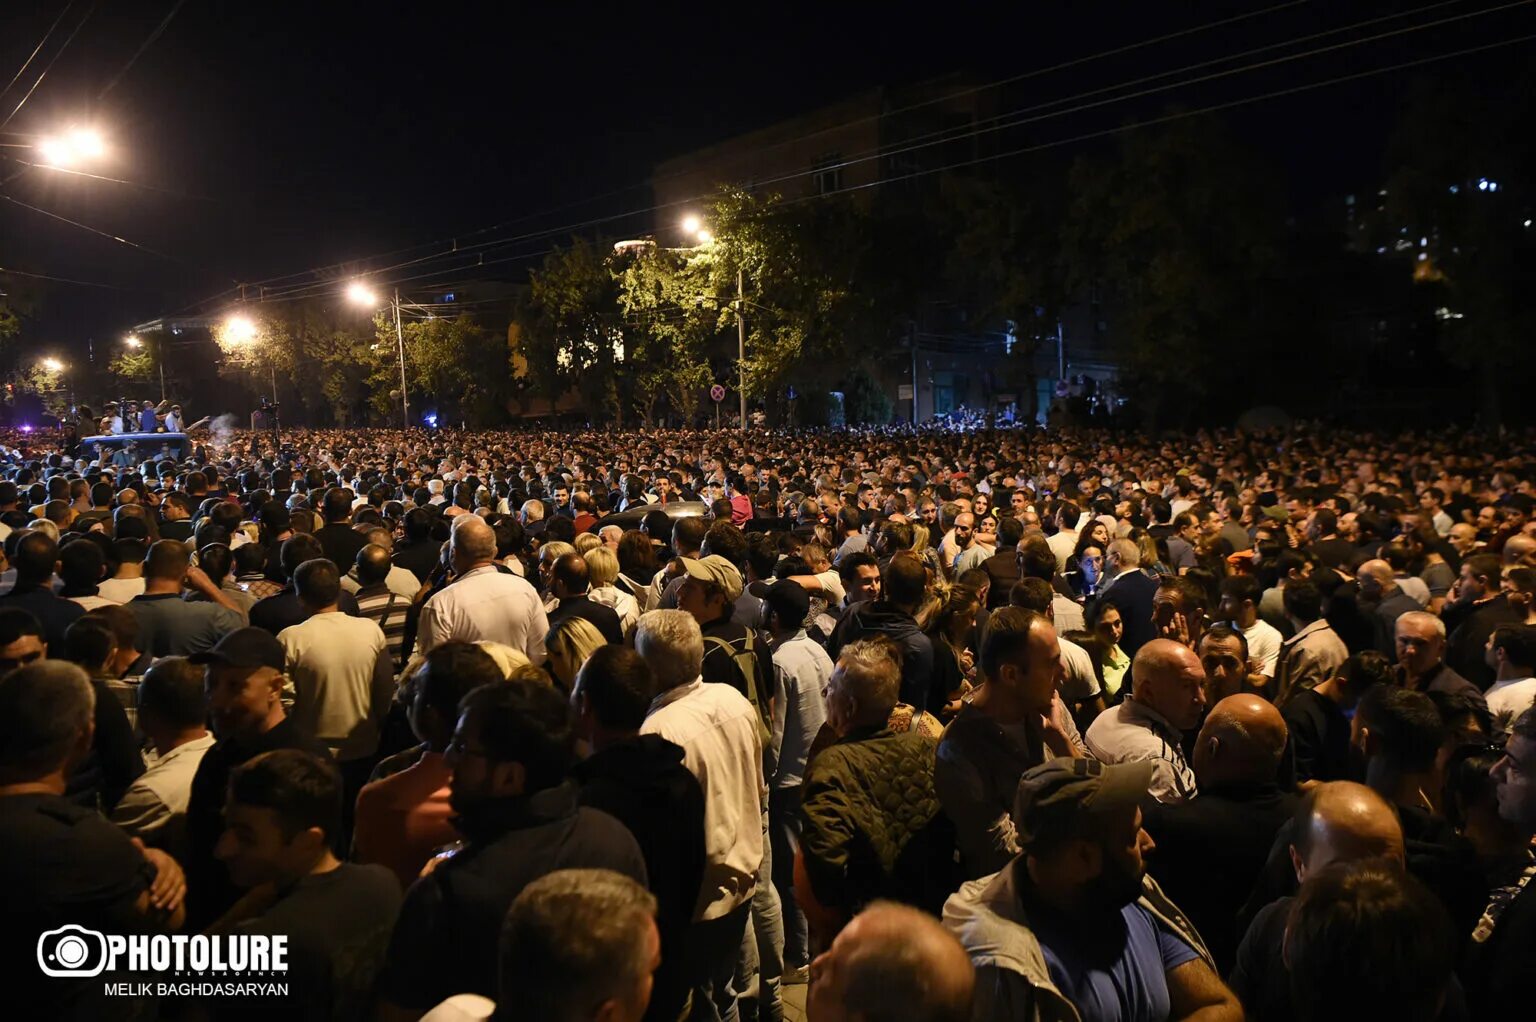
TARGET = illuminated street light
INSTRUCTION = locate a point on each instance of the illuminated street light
(705, 237)
(692, 224)
(133, 342)
(78, 145)
(53, 365)
(359, 293)
(240, 329)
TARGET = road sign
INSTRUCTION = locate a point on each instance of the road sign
(717, 393)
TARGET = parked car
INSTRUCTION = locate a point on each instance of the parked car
(630, 518)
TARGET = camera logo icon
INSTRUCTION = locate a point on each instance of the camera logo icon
(72, 951)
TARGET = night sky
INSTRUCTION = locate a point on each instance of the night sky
(263, 139)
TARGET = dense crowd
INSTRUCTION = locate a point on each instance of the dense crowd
(991, 724)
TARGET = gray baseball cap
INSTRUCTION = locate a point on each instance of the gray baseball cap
(1069, 797)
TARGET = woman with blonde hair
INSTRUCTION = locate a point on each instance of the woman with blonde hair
(507, 658)
(586, 541)
(569, 644)
(602, 575)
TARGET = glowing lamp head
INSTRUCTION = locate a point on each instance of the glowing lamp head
(133, 342)
(53, 365)
(88, 143)
(240, 329)
(55, 152)
(359, 293)
(78, 145)
(692, 225)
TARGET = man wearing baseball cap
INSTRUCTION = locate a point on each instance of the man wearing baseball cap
(1073, 928)
(243, 677)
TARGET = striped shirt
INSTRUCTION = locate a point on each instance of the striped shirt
(388, 610)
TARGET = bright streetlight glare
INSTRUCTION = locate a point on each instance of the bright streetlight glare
(53, 365)
(75, 146)
(240, 329)
(88, 142)
(705, 237)
(359, 293)
(56, 152)
(133, 342)
(692, 224)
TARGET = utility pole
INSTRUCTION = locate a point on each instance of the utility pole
(741, 344)
(405, 400)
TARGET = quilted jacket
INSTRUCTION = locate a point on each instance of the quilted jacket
(871, 826)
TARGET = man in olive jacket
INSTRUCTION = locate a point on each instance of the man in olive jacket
(871, 826)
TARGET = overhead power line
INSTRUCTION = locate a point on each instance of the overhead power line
(310, 287)
(53, 60)
(1075, 62)
(37, 49)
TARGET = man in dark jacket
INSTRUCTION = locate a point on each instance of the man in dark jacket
(337, 538)
(893, 618)
(1210, 847)
(871, 826)
(1502, 957)
(1129, 590)
(568, 584)
(1003, 567)
(517, 811)
(640, 780)
(1480, 608)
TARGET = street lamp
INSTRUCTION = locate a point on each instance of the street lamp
(695, 227)
(78, 145)
(359, 293)
(135, 342)
(241, 329)
(53, 365)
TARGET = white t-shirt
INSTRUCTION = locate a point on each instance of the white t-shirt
(1507, 700)
(340, 692)
(1264, 641)
(120, 590)
(1080, 682)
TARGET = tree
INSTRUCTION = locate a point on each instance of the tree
(1005, 264)
(800, 264)
(1453, 214)
(568, 330)
(1177, 233)
(865, 402)
(669, 318)
(456, 362)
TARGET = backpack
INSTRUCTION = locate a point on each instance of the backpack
(745, 660)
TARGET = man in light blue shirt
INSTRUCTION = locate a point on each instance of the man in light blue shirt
(801, 670)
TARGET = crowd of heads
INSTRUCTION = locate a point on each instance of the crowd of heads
(1345, 623)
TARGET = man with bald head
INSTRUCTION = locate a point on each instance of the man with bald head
(1211, 847)
(1338, 822)
(1383, 600)
(1463, 539)
(1520, 552)
(483, 603)
(891, 963)
(1167, 698)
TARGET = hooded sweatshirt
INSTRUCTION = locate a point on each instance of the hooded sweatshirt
(878, 617)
